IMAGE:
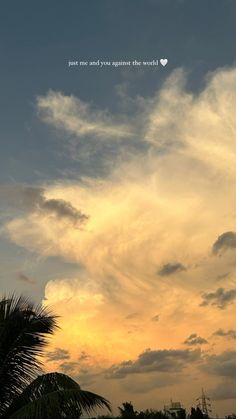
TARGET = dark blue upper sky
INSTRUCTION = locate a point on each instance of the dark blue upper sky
(38, 38)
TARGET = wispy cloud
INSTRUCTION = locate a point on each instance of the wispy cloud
(58, 354)
(80, 118)
(231, 334)
(24, 278)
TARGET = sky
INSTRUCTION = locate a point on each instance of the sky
(117, 191)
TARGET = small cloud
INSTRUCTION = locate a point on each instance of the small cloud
(224, 242)
(68, 367)
(194, 339)
(155, 318)
(58, 354)
(171, 268)
(231, 334)
(220, 298)
(63, 209)
(132, 315)
(84, 356)
(24, 278)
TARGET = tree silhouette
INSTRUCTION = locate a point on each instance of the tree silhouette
(127, 411)
(196, 413)
(24, 391)
(152, 414)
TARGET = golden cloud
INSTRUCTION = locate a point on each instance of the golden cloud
(164, 208)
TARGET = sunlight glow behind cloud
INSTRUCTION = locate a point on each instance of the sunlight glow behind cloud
(164, 208)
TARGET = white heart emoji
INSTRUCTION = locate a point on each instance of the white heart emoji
(163, 61)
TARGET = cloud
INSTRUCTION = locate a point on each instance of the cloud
(133, 315)
(194, 339)
(223, 364)
(29, 198)
(25, 278)
(58, 354)
(225, 241)
(166, 360)
(219, 298)
(78, 118)
(161, 205)
(69, 367)
(156, 318)
(84, 356)
(84, 374)
(63, 209)
(225, 333)
(171, 268)
(201, 126)
(105, 248)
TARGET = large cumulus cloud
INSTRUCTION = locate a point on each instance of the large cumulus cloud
(156, 211)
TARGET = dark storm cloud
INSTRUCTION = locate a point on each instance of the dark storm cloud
(194, 339)
(165, 360)
(222, 365)
(171, 268)
(231, 334)
(220, 298)
(24, 278)
(28, 198)
(58, 354)
(225, 241)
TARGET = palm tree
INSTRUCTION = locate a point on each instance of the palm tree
(24, 391)
(127, 411)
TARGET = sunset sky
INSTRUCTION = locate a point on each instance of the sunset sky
(117, 193)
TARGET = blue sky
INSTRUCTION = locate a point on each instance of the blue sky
(38, 39)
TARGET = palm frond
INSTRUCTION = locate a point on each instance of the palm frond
(23, 331)
(56, 396)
